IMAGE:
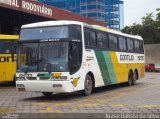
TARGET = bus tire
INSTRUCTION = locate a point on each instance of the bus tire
(47, 94)
(88, 86)
(130, 78)
(14, 81)
(135, 77)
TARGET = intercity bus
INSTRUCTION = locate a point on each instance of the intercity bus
(8, 58)
(68, 56)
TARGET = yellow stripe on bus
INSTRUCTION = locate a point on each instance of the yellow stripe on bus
(121, 70)
(9, 37)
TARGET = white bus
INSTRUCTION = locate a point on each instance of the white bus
(69, 56)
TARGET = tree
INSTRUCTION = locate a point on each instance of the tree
(158, 15)
(149, 29)
(148, 20)
(158, 19)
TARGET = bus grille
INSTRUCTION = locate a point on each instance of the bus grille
(44, 78)
(32, 78)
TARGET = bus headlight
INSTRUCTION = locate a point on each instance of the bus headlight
(59, 78)
(21, 79)
(20, 86)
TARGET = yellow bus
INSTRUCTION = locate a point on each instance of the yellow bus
(8, 44)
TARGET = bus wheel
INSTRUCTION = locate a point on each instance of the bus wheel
(135, 77)
(130, 78)
(87, 86)
(14, 81)
(47, 94)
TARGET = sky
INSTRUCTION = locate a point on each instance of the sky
(134, 10)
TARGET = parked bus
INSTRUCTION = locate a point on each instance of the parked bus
(8, 56)
(69, 56)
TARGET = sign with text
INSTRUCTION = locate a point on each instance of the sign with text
(39, 9)
(28, 6)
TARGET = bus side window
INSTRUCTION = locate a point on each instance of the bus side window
(15, 47)
(102, 40)
(74, 57)
(136, 46)
(122, 43)
(90, 38)
(7, 47)
(113, 42)
(130, 44)
(141, 47)
(75, 32)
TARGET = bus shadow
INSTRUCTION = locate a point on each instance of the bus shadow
(7, 84)
(78, 96)
(116, 87)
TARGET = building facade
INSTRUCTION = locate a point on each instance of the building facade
(15, 14)
(108, 11)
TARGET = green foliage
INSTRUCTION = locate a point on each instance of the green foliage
(148, 20)
(149, 29)
(158, 19)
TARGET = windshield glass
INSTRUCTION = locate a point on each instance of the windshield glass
(44, 33)
(43, 57)
(6, 47)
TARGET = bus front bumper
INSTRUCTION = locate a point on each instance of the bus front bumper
(45, 86)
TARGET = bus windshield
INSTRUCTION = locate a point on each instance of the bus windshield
(43, 57)
(6, 46)
(44, 33)
(47, 49)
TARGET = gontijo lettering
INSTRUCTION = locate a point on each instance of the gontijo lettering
(7, 59)
(127, 57)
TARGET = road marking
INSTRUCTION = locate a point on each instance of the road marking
(7, 110)
(117, 94)
(86, 105)
(151, 78)
(49, 109)
(121, 95)
(60, 104)
(148, 106)
(119, 105)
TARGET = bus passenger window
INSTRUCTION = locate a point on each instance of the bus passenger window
(90, 38)
(7, 51)
(113, 42)
(130, 44)
(136, 46)
(102, 40)
(122, 43)
(6, 47)
(141, 46)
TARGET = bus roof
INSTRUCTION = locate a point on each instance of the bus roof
(9, 37)
(66, 22)
(51, 23)
(101, 28)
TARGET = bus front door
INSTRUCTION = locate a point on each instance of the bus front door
(2, 71)
(10, 68)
